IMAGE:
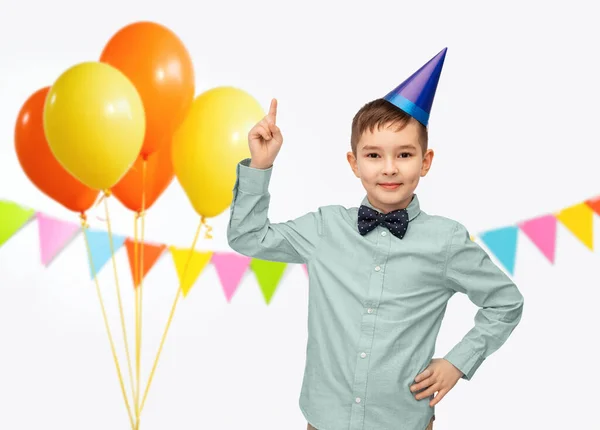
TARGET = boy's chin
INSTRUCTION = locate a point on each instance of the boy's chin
(392, 198)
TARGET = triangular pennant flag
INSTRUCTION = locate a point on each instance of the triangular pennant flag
(502, 242)
(594, 204)
(268, 275)
(100, 249)
(54, 235)
(12, 218)
(197, 261)
(542, 232)
(305, 267)
(230, 267)
(579, 219)
(151, 254)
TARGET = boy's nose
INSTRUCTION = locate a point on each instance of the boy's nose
(390, 168)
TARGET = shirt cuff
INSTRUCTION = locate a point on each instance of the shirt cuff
(251, 180)
(465, 359)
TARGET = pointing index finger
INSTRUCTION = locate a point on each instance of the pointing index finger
(273, 109)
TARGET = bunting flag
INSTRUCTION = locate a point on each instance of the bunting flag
(12, 218)
(151, 254)
(594, 204)
(230, 268)
(502, 242)
(189, 264)
(268, 274)
(579, 220)
(542, 232)
(54, 235)
(99, 242)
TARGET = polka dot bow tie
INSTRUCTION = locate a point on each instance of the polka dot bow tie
(395, 221)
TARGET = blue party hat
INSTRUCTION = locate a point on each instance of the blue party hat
(415, 95)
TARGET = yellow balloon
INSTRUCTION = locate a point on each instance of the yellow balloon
(94, 123)
(209, 144)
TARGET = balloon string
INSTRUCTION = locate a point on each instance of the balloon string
(114, 264)
(85, 226)
(137, 297)
(102, 197)
(141, 289)
(181, 282)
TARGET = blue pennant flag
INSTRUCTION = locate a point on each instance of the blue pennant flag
(100, 248)
(502, 242)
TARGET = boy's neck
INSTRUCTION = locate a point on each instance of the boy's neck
(400, 205)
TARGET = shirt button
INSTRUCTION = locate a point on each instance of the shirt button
(383, 233)
(357, 400)
(377, 268)
(363, 355)
(370, 310)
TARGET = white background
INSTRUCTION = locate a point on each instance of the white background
(514, 129)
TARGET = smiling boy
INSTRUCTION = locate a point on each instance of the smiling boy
(380, 274)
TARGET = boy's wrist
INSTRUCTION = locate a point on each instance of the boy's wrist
(260, 166)
(253, 180)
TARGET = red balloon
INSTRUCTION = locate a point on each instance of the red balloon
(160, 67)
(40, 165)
(159, 174)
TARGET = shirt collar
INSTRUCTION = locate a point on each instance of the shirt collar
(413, 208)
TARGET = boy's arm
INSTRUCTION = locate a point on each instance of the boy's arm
(250, 232)
(470, 270)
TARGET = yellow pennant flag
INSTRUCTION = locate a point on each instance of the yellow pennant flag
(579, 219)
(197, 262)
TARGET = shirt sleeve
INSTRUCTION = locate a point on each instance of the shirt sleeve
(470, 270)
(250, 232)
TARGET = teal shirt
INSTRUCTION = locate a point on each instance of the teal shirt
(376, 303)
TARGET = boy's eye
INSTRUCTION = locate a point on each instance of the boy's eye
(372, 155)
(405, 154)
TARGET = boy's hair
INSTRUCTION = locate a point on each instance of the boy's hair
(379, 113)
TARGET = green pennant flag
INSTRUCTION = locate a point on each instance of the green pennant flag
(12, 218)
(268, 275)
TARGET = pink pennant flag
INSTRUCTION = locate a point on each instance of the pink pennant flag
(54, 236)
(542, 232)
(305, 267)
(230, 267)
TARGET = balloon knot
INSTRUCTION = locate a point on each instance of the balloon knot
(83, 218)
(207, 234)
(107, 193)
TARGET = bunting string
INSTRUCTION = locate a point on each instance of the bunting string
(54, 235)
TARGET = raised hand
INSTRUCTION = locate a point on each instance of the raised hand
(265, 140)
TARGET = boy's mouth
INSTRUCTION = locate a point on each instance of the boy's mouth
(390, 185)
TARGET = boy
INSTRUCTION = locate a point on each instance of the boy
(380, 275)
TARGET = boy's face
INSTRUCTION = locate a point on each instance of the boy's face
(390, 164)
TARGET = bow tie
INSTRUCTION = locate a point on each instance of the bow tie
(395, 221)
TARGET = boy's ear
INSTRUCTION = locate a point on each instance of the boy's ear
(353, 164)
(427, 160)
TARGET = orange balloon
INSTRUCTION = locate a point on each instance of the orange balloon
(160, 67)
(38, 162)
(159, 174)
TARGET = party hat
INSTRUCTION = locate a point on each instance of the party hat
(415, 95)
